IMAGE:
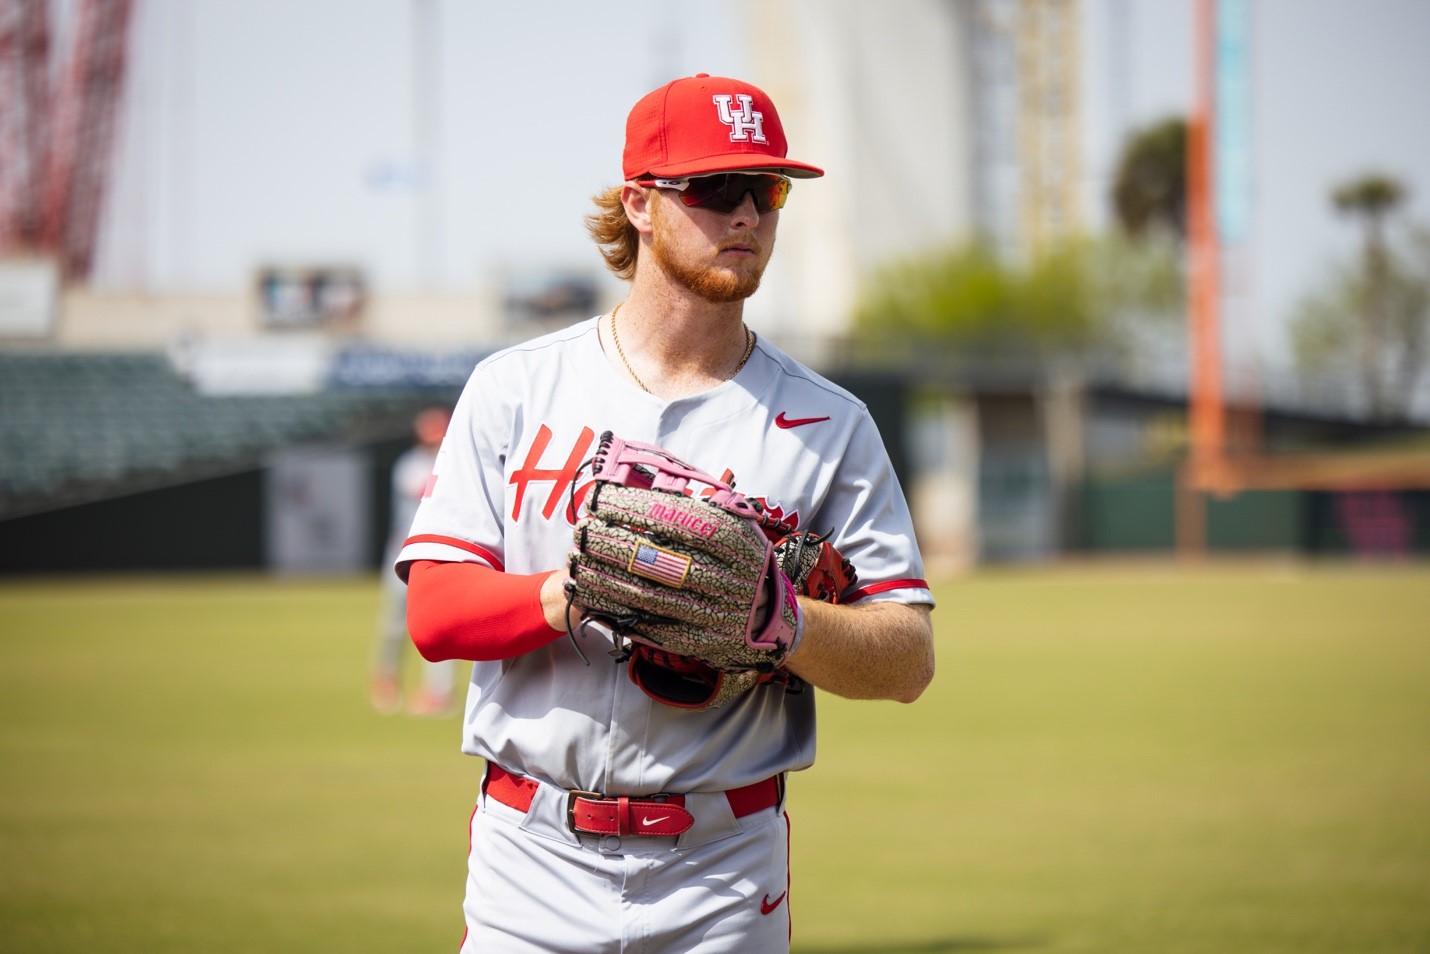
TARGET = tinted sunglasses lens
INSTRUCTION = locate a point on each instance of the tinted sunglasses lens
(725, 193)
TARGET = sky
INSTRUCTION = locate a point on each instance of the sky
(278, 129)
(288, 130)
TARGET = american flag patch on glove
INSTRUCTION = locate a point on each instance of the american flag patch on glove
(663, 566)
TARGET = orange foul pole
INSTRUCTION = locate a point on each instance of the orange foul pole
(1207, 407)
(1205, 468)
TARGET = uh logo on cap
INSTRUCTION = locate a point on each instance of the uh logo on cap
(747, 125)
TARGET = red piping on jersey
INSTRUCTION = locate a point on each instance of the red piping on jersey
(491, 558)
(873, 588)
(789, 877)
(471, 846)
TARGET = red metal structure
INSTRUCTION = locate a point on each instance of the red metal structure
(24, 96)
(57, 141)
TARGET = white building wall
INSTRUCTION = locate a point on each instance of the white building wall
(876, 94)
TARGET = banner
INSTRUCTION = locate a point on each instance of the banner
(1231, 178)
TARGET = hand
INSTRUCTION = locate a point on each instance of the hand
(556, 604)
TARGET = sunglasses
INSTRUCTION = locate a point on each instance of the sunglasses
(725, 192)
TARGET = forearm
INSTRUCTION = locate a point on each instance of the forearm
(469, 611)
(873, 651)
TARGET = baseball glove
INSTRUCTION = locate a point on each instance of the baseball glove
(814, 568)
(673, 559)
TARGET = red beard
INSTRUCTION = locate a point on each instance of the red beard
(719, 284)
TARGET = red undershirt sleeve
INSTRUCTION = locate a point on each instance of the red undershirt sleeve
(470, 611)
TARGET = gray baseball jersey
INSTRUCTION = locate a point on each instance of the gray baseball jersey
(507, 487)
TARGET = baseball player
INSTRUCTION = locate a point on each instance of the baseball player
(410, 474)
(609, 819)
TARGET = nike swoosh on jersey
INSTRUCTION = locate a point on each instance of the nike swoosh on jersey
(788, 422)
(767, 906)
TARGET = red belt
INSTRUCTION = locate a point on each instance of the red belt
(597, 814)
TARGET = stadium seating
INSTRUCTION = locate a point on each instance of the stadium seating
(85, 426)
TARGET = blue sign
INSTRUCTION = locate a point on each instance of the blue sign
(1232, 128)
(378, 368)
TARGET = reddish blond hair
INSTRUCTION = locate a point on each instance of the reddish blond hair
(614, 234)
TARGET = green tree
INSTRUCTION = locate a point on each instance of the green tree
(1331, 334)
(1074, 298)
(1106, 296)
(1149, 188)
(1371, 318)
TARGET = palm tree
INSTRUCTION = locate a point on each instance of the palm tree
(1372, 199)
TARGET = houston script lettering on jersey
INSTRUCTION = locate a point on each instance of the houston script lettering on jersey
(561, 478)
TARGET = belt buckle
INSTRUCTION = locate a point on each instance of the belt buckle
(571, 797)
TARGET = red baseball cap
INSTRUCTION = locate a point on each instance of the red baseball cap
(703, 124)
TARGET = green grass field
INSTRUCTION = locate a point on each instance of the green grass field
(1228, 759)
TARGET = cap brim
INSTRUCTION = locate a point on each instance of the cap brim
(737, 163)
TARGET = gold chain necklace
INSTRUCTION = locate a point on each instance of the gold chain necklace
(749, 349)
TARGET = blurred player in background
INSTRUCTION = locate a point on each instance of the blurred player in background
(410, 475)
